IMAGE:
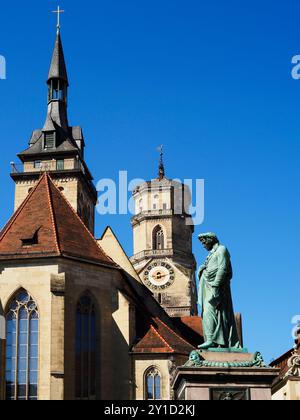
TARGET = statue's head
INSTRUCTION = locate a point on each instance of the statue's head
(208, 240)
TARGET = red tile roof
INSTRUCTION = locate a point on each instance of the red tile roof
(282, 361)
(194, 323)
(47, 220)
(160, 338)
(191, 329)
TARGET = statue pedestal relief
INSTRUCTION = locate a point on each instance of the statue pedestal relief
(224, 374)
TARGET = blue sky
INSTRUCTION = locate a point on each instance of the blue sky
(211, 80)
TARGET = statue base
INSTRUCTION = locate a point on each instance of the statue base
(226, 350)
(224, 374)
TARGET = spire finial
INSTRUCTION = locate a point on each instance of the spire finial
(161, 167)
(58, 11)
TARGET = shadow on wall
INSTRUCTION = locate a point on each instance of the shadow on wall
(2, 323)
(2, 348)
(122, 379)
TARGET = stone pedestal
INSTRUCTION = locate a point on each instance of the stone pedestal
(224, 375)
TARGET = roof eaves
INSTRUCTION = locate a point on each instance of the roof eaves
(90, 261)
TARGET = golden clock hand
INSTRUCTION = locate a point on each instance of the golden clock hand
(159, 276)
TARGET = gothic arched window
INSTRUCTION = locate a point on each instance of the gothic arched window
(22, 348)
(158, 238)
(86, 349)
(153, 384)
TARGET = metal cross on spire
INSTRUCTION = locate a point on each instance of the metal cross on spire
(58, 11)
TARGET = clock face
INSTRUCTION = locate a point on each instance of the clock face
(159, 276)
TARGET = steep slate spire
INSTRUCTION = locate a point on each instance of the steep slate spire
(58, 84)
(161, 167)
(58, 147)
(58, 69)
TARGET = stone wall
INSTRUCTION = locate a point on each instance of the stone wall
(56, 288)
(289, 391)
(35, 278)
(142, 364)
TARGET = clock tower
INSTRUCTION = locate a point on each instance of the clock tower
(162, 234)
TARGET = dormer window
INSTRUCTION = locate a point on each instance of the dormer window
(31, 240)
(50, 140)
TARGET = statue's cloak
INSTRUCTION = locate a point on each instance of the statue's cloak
(215, 276)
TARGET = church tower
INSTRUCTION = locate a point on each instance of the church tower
(162, 234)
(57, 148)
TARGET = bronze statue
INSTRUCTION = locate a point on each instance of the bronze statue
(219, 326)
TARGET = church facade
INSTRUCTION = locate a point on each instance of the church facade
(82, 320)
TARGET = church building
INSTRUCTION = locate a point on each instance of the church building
(82, 320)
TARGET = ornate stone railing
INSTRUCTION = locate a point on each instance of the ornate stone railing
(150, 213)
(162, 212)
(47, 166)
(152, 253)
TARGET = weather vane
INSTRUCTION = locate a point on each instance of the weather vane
(161, 150)
(58, 11)
(161, 168)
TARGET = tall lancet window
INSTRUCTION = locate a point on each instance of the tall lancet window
(153, 384)
(86, 349)
(158, 238)
(22, 348)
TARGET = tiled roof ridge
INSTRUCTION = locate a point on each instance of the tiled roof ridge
(174, 332)
(20, 208)
(162, 339)
(54, 226)
(81, 221)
